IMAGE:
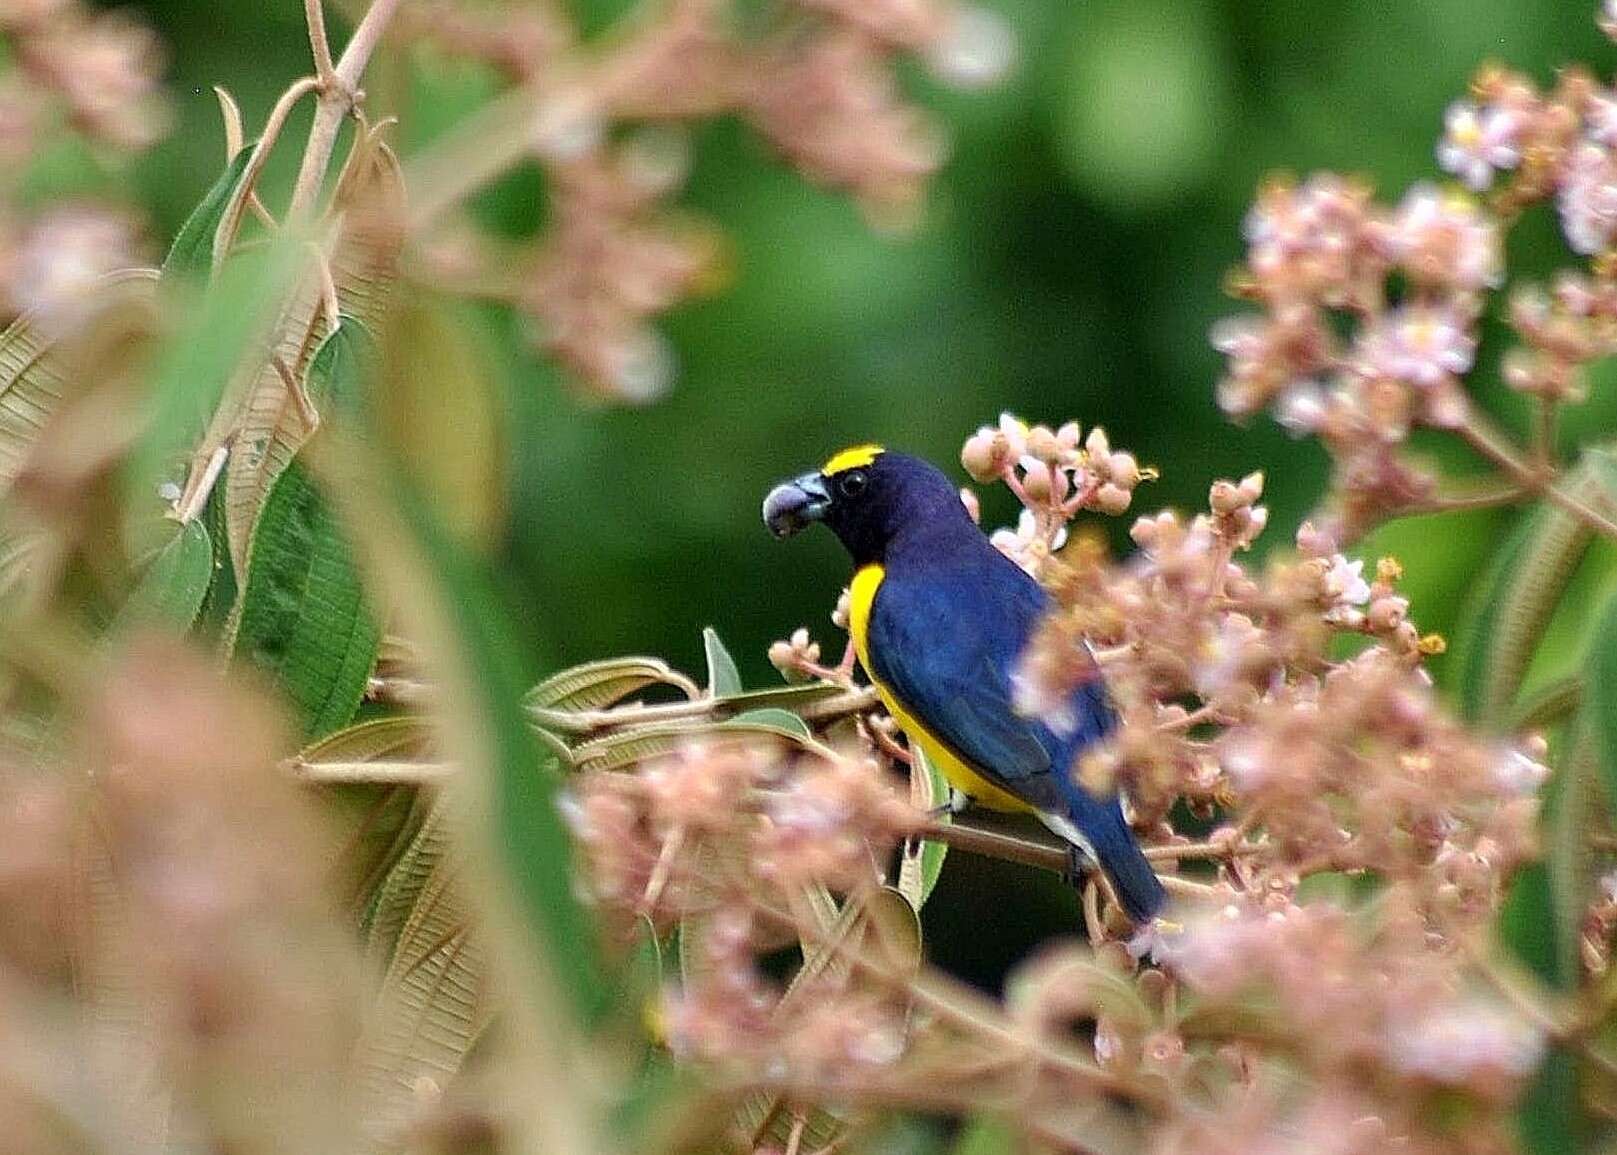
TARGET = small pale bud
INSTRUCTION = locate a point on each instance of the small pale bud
(782, 656)
(1252, 486)
(1387, 613)
(839, 616)
(1112, 499)
(1124, 470)
(985, 454)
(1042, 443)
(1036, 482)
(1097, 445)
(1070, 435)
(1224, 498)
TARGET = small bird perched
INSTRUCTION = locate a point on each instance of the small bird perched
(939, 618)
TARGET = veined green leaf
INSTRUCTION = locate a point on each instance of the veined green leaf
(268, 422)
(1576, 813)
(304, 616)
(191, 255)
(1506, 615)
(432, 1008)
(772, 718)
(392, 902)
(625, 748)
(446, 602)
(723, 679)
(376, 824)
(170, 592)
(922, 861)
(597, 685)
(1600, 698)
(39, 369)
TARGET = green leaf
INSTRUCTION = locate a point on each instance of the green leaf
(1505, 618)
(433, 1006)
(772, 718)
(304, 616)
(922, 861)
(723, 679)
(219, 604)
(1550, 1118)
(376, 824)
(986, 1135)
(406, 878)
(1571, 860)
(191, 255)
(197, 363)
(597, 685)
(170, 592)
(446, 601)
(1600, 699)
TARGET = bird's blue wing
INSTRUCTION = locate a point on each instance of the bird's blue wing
(946, 647)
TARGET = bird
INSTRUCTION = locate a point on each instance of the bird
(939, 618)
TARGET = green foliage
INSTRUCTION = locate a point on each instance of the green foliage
(304, 616)
(171, 591)
(190, 257)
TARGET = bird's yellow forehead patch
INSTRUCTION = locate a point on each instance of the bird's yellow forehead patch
(855, 457)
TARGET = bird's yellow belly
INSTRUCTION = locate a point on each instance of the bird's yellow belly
(862, 594)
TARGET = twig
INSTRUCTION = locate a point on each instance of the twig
(230, 221)
(338, 93)
(192, 502)
(1487, 443)
(314, 15)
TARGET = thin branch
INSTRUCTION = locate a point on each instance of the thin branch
(1487, 443)
(314, 15)
(230, 221)
(338, 93)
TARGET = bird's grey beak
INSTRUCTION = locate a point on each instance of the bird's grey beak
(792, 506)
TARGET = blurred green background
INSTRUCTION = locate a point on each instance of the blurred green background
(1068, 266)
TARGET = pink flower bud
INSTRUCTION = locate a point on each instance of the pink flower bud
(1111, 499)
(984, 455)
(1123, 469)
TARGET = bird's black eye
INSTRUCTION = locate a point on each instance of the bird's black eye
(852, 483)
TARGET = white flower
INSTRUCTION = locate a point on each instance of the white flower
(1452, 1043)
(1345, 584)
(1517, 772)
(1477, 142)
(1422, 345)
(1439, 235)
(1588, 198)
(1026, 544)
(1301, 407)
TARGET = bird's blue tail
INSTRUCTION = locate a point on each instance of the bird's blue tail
(1136, 884)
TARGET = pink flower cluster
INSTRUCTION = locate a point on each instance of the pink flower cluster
(818, 80)
(98, 72)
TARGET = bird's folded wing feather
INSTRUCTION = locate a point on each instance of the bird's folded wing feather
(953, 676)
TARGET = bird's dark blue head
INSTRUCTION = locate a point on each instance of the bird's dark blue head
(869, 497)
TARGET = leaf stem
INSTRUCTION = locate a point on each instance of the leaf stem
(1539, 481)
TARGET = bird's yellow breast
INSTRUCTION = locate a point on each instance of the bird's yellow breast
(861, 596)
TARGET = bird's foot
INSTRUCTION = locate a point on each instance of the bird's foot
(1079, 866)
